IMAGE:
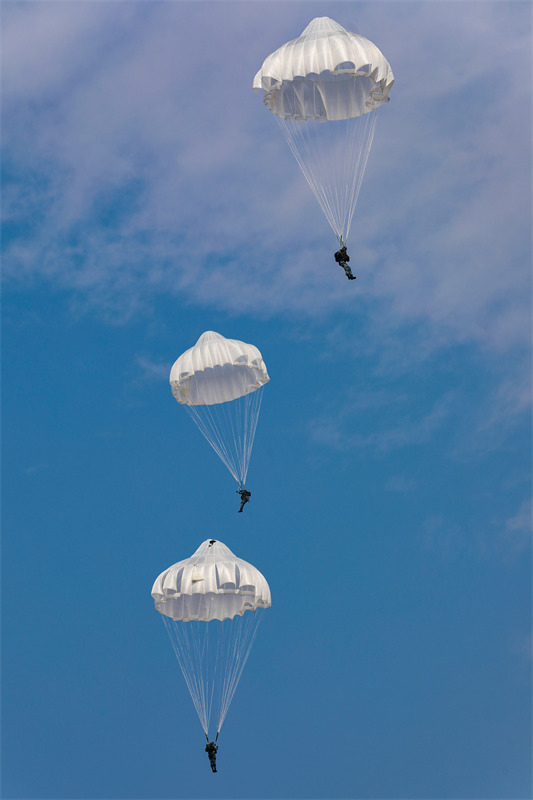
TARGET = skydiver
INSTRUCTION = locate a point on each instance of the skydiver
(245, 497)
(342, 258)
(211, 749)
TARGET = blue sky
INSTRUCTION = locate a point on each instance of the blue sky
(148, 196)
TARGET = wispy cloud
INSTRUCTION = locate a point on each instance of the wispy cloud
(33, 469)
(444, 538)
(405, 389)
(509, 538)
(519, 528)
(521, 645)
(401, 483)
(153, 370)
(407, 429)
(504, 407)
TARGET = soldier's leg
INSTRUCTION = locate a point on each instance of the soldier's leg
(347, 270)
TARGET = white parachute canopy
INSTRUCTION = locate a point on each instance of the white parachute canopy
(211, 605)
(219, 381)
(324, 88)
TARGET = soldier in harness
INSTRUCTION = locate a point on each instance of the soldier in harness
(342, 258)
(211, 749)
(245, 497)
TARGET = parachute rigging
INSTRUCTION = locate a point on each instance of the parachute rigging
(211, 605)
(324, 89)
(220, 382)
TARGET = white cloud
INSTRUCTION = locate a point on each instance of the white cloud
(138, 161)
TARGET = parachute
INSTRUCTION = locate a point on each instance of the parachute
(211, 604)
(220, 382)
(324, 89)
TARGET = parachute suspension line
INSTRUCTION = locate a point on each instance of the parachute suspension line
(230, 430)
(209, 685)
(232, 665)
(199, 665)
(184, 648)
(332, 156)
(212, 656)
(357, 156)
(243, 637)
(299, 143)
(251, 415)
(208, 420)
